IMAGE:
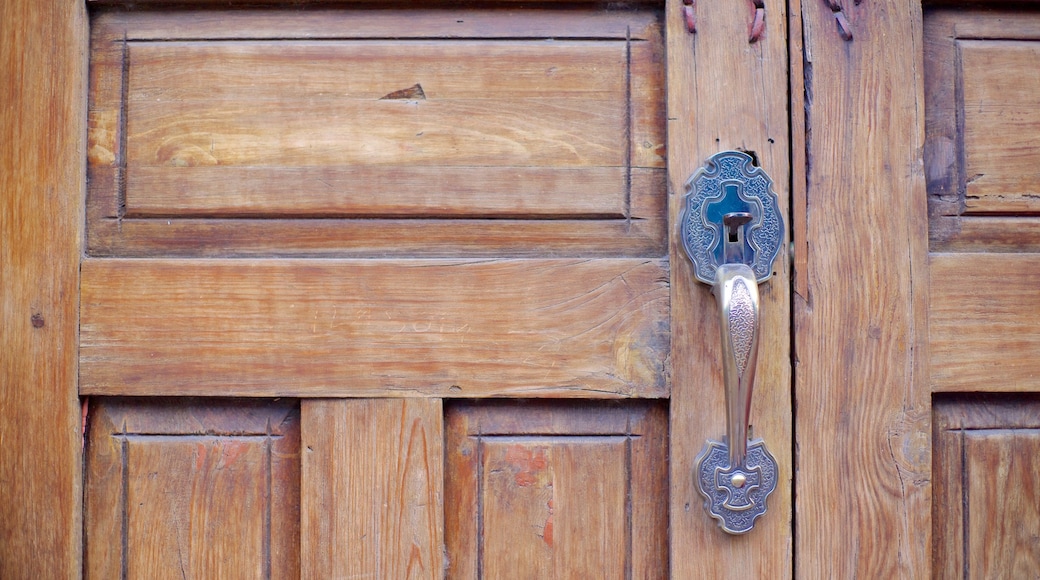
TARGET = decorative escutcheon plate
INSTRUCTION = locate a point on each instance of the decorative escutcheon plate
(731, 183)
(736, 496)
(732, 231)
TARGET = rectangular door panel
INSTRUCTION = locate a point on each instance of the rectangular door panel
(982, 113)
(544, 490)
(554, 134)
(987, 487)
(196, 488)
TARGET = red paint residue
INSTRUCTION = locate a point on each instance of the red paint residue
(527, 462)
(547, 532)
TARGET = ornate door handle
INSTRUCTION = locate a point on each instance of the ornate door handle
(732, 231)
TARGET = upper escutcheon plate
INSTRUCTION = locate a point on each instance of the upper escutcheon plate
(729, 183)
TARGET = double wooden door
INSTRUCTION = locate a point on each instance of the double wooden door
(396, 292)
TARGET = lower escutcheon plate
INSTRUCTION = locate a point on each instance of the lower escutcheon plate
(735, 495)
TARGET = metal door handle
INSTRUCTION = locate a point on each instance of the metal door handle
(732, 231)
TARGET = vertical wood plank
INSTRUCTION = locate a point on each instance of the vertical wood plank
(948, 504)
(593, 519)
(516, 512)
(42, 87)
(862, 417)
(372, 488)
(726, 93)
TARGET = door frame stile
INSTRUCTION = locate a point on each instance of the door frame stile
(43, 52)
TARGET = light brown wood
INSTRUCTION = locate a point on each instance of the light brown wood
(987, 496)
(193, 488)
(189, 122)
(799, 138)
(373, 496)
(42, 162)
(438, 22)
(1004, 503)
(1001, 113)
(987, 234)
(359, 190)
(863, 405)
(725, 93)
(173, 122)
(201, 4)
(981, 106)
(549, 490)
(379, 238)
(592, 328)
(984, 322)
(947, 497)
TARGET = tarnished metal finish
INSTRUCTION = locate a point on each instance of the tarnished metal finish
(736, 495)
(732, 231)
(730, 183)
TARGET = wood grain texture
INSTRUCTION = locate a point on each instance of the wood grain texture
(373, 494)
(515, 109)
(305, 3)
(986, 493)
(984, 322)
(863, 406)
(1003, 497)
(583, 328)
(366, 238)
(1001, 112)
(947, 499)
(196, 488)
(42, 162)
(986, 234)
(438, 22)
(552, 489)
(980, 102)
(261, 115)
(727, 94)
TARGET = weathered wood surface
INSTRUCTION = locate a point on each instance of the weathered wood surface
(570, 328)
(550, 490)
(863, 412)
(984, 322)
(485, 108)
(373, 495)
(981, 104)
(1001, 109)
(987, 495)
(442, 238)
(194, 488)
(725, 93)
(443, 22)
(1003, 497)
(286, 115)
(42, 87)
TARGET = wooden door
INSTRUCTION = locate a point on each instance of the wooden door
(898, 467)
(392, 291)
